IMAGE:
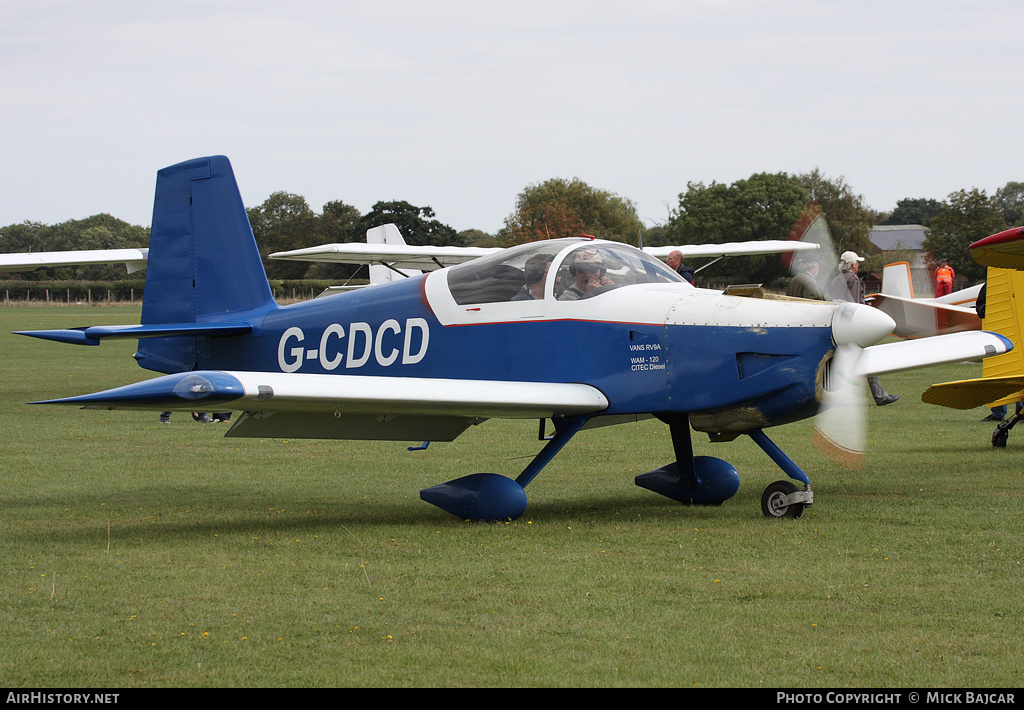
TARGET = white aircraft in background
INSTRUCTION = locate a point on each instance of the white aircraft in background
(924, 317)
(134, 259)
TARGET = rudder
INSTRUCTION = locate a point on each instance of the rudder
(203, 259)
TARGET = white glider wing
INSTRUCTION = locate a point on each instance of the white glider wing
(768, 246)
(926, 317)
(398, 256)
(134, 259)
(428, 258)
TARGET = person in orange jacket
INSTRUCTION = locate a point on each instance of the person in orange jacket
(944, 276)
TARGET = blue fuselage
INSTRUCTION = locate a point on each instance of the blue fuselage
(765, 374)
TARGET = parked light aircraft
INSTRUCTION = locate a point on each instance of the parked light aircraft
(425, 357)
(922, 317)
(1002, 377)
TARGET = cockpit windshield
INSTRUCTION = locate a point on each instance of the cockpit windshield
(566, 269)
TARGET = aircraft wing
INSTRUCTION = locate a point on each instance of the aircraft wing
(1004, 250)
(1003, 375)
(134, 259)
(912, 354)
(968, 394)
(768, 246)
(427, 258)
(399, 256)
(347, 406)
(921, 318)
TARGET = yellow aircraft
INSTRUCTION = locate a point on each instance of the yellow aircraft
(1002, 376)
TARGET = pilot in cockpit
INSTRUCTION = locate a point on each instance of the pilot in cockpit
(587, 267)
(535, 274)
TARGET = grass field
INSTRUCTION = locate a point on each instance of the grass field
(137, 554)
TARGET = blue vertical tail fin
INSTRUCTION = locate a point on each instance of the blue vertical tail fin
(203, 260)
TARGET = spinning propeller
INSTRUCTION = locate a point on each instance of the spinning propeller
(839, 426)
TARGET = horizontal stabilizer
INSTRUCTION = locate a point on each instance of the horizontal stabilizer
(968, 394)
(92, 335)
(925, 352)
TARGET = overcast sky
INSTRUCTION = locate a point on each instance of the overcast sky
(460, 105)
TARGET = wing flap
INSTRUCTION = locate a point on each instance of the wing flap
(362, 427)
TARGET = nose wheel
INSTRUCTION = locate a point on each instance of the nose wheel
(783, 499)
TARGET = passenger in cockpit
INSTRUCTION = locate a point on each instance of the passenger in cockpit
(535, 274)
(587, 267)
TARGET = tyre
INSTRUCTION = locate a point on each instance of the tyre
(773, 501)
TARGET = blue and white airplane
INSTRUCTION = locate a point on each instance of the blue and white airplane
(583, 332)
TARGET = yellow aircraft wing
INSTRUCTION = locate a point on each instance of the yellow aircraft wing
(1002, 376)
(968, 394)
(1004, 250)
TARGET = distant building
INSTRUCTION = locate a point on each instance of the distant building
(898, 237)
(905, 242)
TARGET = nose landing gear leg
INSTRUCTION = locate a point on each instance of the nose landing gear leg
(783, 499)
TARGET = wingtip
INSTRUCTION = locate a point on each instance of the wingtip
(185, 389)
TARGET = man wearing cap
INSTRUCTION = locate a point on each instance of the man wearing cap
(847, 287)
(805, 284)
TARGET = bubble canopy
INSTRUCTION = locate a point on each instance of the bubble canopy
(553, 266)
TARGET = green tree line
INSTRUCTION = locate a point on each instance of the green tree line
(763, 206)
